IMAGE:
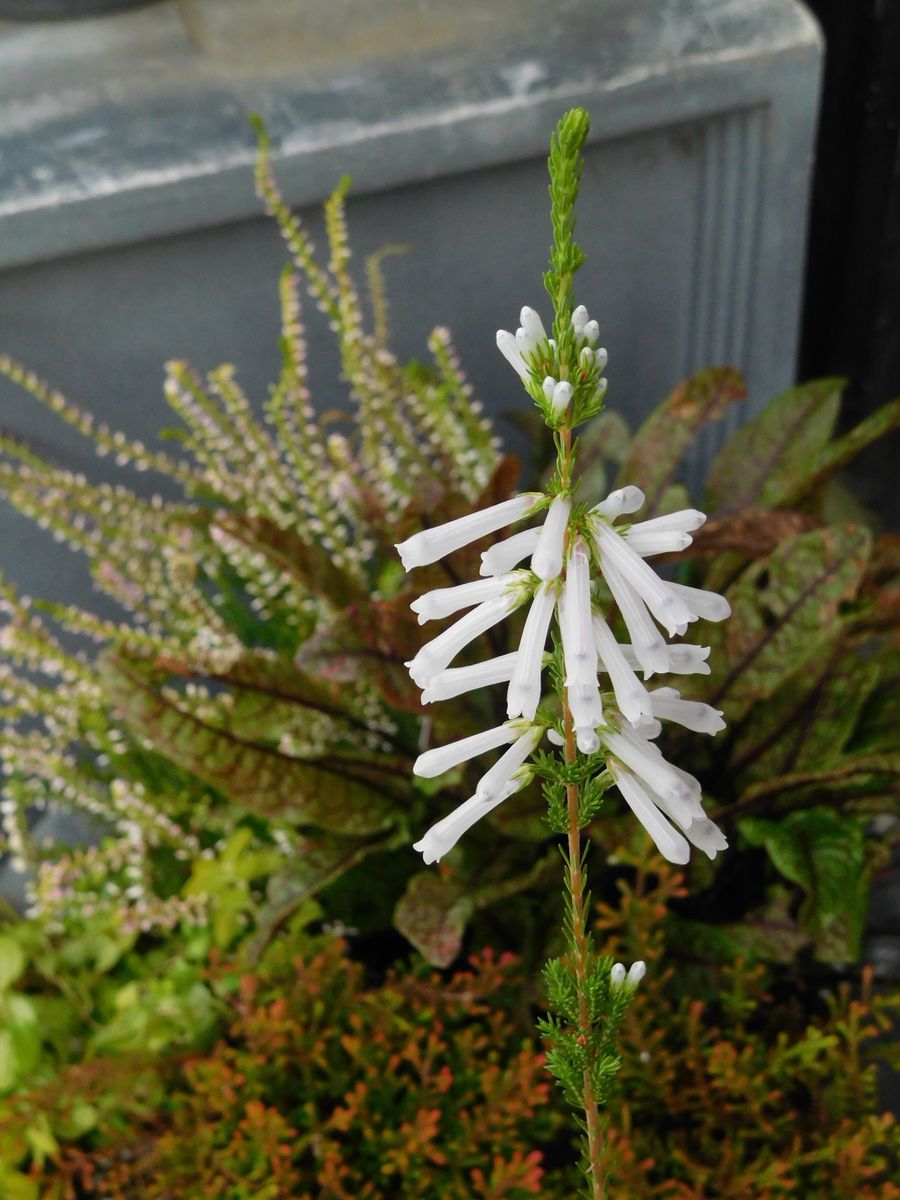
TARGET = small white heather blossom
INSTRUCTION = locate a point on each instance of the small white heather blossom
(457, 680)
(437, 761)
(442, 602)
(619, 978)
(547, 560)
(505, 555)
(636, 973)
(524, 692)
(561, 550)
(431, 544)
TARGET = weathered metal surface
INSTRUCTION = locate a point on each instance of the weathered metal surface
(120, 129)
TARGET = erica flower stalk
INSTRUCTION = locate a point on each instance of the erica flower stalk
(604, 717)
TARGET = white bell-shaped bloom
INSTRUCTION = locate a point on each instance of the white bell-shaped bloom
(435, 655)
(547, 560)
(494, 781)
(587, 739)
(618, 559)
(442, 602)
(706, 836)
(709, 606)
(646, 640)
(636, 973)
(532, 327)
(509, 348)
(585, 704)
(442, 837)
(503, 556)
(682, 659)
(443, 758)
(701, 718)
(456, 681)
(645, 761)
(667, 542)
(632, 697)
(524, 693)
(685, 520)
(668, 841)
(561, 397)
(429, 545)
(623, 500)
(579, 645)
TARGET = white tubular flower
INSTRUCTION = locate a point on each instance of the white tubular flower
(561, 397)
(701, 718)
(531, 332)
(431, 544)
(706, 836)
(508, 347)
(710, 606)
(494, 782)
(649, 544)
(442, 758)
(683, 659)
(587, 740)
(585, 704)
(668, 841)
(645, 760)
(442, 837)
(651, 808)
(636, 973)
(547, 560)
(443, 601)
(579, 646)
(457, 680)
(436, 654)
(591, 333)
(503, 556)
(617, 975)
(686, 520)
(580, 317)
(623, 500)
(632, 697)
(618, 559)
(647, 642)
(524, 693)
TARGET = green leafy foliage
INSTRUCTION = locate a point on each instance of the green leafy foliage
(419, 1087)
(243, 742)
(733, 1082)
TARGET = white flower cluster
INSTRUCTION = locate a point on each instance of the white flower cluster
(622, 722)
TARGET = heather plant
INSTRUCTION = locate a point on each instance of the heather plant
(245, 738)
(606, 738)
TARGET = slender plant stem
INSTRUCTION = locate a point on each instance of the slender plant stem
(578, 931)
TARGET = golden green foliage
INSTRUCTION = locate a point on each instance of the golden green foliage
(735, 1081)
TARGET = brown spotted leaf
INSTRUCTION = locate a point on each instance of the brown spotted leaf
(370, 640)
(752, 534)
(764, 463)
(658, 447)
(435, 908)
(786, 610)
(432, 914)
(808, 722)
(257, 777)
